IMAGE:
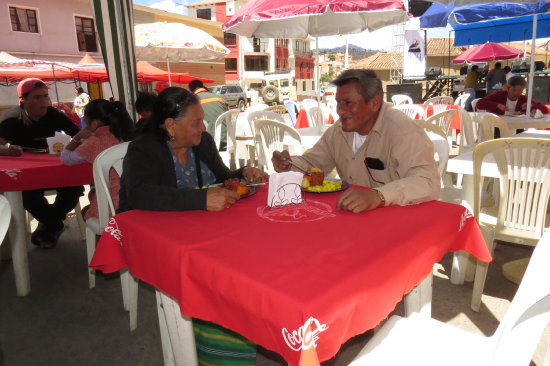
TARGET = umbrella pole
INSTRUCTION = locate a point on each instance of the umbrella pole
(55, 84)
(318, 79)
(168, 66)
(532, 68)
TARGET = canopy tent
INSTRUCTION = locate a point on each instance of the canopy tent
(488, 52)
(14, 69)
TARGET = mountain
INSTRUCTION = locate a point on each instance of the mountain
(356, 52)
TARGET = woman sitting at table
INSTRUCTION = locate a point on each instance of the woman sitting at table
(163, 170)
(165, 167)
(106, 124)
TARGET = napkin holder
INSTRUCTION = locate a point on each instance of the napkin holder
(57, 143)
(285, 189)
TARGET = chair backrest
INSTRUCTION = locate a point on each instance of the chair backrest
(441, 150)
(462, 99)
(107, 159)
(412, 110)
(262, 114)
(467, 132)
(5, 217)
(523, 324)
(255, 107)
(314, 115)
(399, 99)
(474, 104)
(276, 136)
(524, 177)
(292, 108)
(438, 104)
(488, 124)
(230, 119)
(442, 119)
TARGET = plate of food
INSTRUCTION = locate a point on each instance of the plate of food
(316, 182)
(242, 189)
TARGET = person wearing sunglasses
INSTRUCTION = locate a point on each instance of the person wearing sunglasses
(371, 145)
(28, 125)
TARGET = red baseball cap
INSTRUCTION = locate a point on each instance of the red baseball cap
(26, 86)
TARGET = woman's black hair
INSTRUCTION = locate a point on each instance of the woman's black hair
(172, 102)
(112, 114)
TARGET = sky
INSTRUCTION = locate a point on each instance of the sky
(378, 40)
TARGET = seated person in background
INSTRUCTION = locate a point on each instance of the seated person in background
(511, 100)
(106, 124)
(144, 107)
(28, 125)
(164, 170)
(372, 145)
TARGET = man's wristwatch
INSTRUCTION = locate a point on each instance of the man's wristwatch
(382, 198)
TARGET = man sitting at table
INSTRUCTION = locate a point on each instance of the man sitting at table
(28, 125)
(511, 100)
(372, 145)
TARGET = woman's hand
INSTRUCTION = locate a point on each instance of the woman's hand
(254, 175)
(78, 138)
(218, 199)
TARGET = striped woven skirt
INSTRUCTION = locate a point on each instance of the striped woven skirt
(217, 345)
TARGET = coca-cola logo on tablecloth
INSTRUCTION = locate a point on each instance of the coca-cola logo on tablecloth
(465, 216)
(304, 337)
(307, 211)
(12, 173)
(112, 228)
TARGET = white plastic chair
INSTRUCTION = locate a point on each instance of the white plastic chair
(107, 159)
(230, 155)
(524, 190)
(418, 340)
(412, 110)
(292, 108)
(442, 119)
(252, 117)
(5, 217)
(276, 136)
(315, 115)
(488, 124)
(462, 99)
(438, 104)
(399, 99)
(281, 109)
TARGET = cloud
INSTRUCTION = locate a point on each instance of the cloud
(380, 39)
(171, 6)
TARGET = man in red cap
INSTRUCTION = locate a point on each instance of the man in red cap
(29, 125)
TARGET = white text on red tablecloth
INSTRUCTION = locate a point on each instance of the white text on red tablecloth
(112, 228)
(465, 216)
(306, 336)
(12, 173)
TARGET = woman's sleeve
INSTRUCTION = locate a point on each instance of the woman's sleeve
(71, 157)
(146, 179)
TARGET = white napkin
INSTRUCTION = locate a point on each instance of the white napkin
(57, 143)
(285, 189)
(538, 114)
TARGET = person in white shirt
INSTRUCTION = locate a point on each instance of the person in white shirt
(80, 102)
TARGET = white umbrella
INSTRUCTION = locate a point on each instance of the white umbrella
(176, 42)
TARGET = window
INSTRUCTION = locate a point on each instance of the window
(229, 39)
(23, 20)
(313, 85)
(277, 64)
(230, 64)
(297, 46)
(256, 44)
(304, 89)
(204, 14)
(256, 63)
(85, 34)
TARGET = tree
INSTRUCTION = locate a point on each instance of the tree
(325, 78)
(332, 57)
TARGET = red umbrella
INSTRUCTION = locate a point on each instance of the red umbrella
(488, 52)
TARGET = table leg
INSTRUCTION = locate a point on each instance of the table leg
(419, 300)
(17, 235)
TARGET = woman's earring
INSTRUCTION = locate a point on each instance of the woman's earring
(172, 138)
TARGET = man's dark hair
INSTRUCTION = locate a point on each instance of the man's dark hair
(475, 67)
(145, 102)
(195, 84)
(79, 90)
(516, 80)
(498, 65)
(368, 84)
(507, 69)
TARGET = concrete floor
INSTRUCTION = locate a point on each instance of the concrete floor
(63, 322)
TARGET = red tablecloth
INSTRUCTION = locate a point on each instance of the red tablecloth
(302, 120)
(455, 122)
(265, 272)
(35, 171)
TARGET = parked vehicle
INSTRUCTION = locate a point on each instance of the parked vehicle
(234, 95)
(276, 88)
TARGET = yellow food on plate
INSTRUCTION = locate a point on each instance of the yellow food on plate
(327, 186)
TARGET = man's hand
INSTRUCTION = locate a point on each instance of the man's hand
(254, 175)
(280, 161)
(11, 150)
(218, 199)
(502, 107)
(358, 200)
